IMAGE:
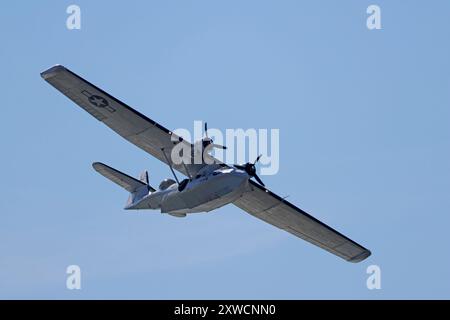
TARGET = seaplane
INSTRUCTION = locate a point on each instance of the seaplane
(209, 183)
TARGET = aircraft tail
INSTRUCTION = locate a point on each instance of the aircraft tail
(137, 188)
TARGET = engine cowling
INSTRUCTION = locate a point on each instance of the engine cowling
(166, 183)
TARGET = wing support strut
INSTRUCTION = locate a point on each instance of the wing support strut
(170, 165)
(187, 170)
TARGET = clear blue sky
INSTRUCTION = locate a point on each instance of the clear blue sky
(365, 146)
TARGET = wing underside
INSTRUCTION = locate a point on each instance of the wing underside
(138, 129)
(269, 207)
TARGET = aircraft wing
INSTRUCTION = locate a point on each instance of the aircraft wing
(126, 121)
(273, 209)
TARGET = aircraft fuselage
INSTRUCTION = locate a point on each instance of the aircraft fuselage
(203, 193)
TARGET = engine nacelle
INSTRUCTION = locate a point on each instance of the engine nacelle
(166, 183)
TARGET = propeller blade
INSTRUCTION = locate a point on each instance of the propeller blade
(219, 146)
(259, 180)
(257, 159)
(238, 166)
(206, 129)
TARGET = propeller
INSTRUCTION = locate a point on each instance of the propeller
(207, 141)
(250, 168)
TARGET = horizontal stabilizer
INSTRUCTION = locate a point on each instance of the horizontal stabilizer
(125, 181)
